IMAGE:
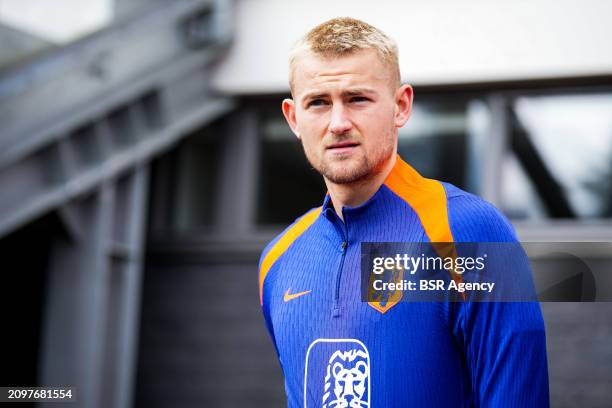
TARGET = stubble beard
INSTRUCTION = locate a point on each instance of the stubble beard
(366, 168)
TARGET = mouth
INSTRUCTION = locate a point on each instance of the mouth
(342, 147)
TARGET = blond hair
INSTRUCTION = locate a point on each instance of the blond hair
(343, 36)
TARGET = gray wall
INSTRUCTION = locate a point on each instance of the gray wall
(579, 343)
(203, 341)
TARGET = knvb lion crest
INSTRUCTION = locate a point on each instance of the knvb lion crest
(337, 374)
(346, 381)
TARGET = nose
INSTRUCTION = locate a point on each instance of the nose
(340, 122)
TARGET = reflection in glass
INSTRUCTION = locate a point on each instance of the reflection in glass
(563, 147)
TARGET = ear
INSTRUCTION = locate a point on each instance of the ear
(289, 113)
(403, 104)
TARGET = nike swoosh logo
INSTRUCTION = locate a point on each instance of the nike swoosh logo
(290, 296)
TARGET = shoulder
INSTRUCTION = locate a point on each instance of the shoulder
(281, 243)
(472, 219)
(290, 233)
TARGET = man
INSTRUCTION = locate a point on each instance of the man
(335, 349)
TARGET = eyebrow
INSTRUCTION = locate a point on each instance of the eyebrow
(359, 91)
(348, 92)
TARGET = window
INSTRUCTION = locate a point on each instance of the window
(560, 160)
(442, 139)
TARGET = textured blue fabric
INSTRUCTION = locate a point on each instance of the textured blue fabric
(333, 348)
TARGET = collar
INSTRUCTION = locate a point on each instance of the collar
(402, 175)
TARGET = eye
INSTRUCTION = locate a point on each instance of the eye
(316, 102)
(358, 99)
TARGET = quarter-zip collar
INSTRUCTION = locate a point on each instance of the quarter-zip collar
(401, 172)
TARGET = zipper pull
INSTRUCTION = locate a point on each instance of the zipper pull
(343, 246)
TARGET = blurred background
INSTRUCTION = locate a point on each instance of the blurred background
(145, 163)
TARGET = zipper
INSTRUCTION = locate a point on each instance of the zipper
(343, 247)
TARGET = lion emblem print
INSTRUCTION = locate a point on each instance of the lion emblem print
(338, 371)
(347, 373)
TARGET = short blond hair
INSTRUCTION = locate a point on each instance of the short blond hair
(343, 36)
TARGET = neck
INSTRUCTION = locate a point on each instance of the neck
(357, 193)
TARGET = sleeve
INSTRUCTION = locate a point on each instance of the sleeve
(265, 305)
(504, 342)
(505, 349)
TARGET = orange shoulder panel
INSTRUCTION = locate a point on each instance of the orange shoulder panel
(283, 243)
(426, 197)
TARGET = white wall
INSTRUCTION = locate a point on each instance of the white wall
(440, 41)
(57, 21)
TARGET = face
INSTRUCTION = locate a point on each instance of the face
(346, 112)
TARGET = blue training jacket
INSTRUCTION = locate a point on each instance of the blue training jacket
(337, 351)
